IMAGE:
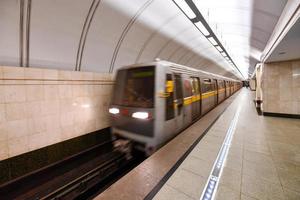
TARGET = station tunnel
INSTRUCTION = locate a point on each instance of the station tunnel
(149, 99)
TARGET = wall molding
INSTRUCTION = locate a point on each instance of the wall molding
(284, 115)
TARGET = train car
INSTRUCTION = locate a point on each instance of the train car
(153, 102)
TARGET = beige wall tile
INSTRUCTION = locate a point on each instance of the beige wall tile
(47, 111)
(14, 93)
(76, 75)
(54, 136)
(3, 132)
(78, 90)
(16, 129)
(52, 122)
(15, 111)
(2, 95)
(66, 119)
(50, 74)
(285, 81)
(2, 113)
(33, 73)
(285, 69)
(50, 107)
(37, 141)
(13, 72)
(34, 92)
(18, 146)
(281, 87)
(36, 125)
(65, 75)
(286, 94)
(1, 73)
(51, 92)
(67, 105)
(3, 150)
(87, 75)
(65, 91)
(33, 109)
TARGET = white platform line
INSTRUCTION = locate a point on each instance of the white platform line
(212, 183)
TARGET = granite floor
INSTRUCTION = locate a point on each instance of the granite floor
(263, 161)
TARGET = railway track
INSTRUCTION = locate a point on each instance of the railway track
(79, 177)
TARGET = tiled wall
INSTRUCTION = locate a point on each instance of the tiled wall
(39, 107)
(281, 87)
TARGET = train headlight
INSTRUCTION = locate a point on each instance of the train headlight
(140, 115)
(114, 111)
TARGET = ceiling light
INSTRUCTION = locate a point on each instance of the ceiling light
(219, 48)
(185, 8)
(212, 40)
(202, 28)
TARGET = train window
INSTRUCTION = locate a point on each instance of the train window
(195, 84)
(178, 85)
(187, 88)
(170, 99)
(207, 86)
(221, 84)
(178, 93)
(135, 87)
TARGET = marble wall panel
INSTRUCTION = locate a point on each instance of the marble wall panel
(281, 87)
(40, 107)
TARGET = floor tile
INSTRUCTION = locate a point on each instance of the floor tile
(169, 193)
(266, 172)
(187, 182)
(197, 166)
(245, 197)
(258, 158)
(289, 179)
(259, 148)
(291, 195)
(227, 193)
(231, 178)
(260, 189)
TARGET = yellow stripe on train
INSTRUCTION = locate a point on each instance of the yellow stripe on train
(187, 100)
(208, 94)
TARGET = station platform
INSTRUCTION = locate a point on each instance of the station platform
(230, 153)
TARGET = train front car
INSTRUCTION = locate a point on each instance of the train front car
(132, 107)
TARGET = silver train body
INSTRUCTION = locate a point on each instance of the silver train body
(153, 102)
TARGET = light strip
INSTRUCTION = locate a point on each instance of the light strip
(185, 8)
(212, 40)
(195, 15)
(216, 172)
(202, 28)
(219, 48)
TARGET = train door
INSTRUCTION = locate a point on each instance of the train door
(216, 91)
(225, 92)
(169, 126)
(196, 106)
(178, 102)
(187, 101)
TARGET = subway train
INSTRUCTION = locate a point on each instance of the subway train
(153, 102)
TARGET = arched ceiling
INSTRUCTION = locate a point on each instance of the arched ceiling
(103, 35)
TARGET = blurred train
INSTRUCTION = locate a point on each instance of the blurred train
(153, 102)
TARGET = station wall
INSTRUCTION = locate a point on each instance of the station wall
(40, 107)
(281, 87)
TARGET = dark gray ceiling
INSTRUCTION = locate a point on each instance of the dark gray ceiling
(289, 46)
